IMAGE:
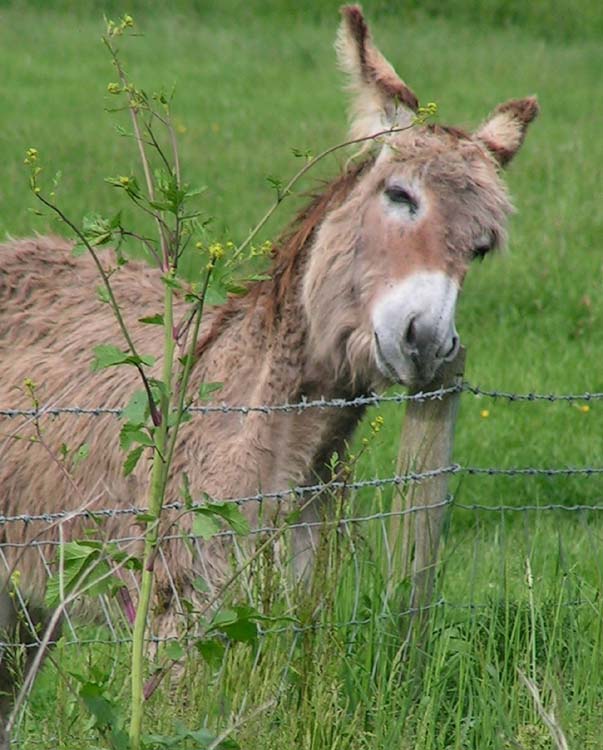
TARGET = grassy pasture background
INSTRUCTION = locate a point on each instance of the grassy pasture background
(255, 80)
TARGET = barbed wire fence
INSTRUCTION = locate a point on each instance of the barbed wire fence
(414, 521)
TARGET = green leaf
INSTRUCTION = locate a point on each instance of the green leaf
(212, 651)
(231, 513)
(200, 585)
(131, 433)
(275, 182)
(108, 355)
(174, 650)
(99, 705)
(205, 524)
(242, 630)
(193, 192)
(120, 739)
(115, 222)
(222, 618)
(97, 230)
(158, 389)
(144, 359)
(173, 418)
(132, 459)
(154, 320)
(103, 294)
(137, 410)
(81, 454)
(216, 293)
(238, 624)
(302, 153)
(206, 389)
(82, 567)
(236, 289)
(129, 184)
(79, 249)
(259, 277)
(100, 239)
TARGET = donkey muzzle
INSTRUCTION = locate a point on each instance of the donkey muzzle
(414, 330)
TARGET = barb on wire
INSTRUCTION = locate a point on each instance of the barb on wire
(353, 520)
(304, 490)
(530, 396)
(300, 406)
(294, 492)
(448, 500)
(303, 405)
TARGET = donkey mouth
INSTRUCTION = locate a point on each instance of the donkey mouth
(384, 365)
(414, 376)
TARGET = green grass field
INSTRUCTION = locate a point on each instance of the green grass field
(252, 85)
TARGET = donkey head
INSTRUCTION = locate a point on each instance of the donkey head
(388, 262)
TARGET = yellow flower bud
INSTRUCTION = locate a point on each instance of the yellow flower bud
(31, 155)
(216, 250)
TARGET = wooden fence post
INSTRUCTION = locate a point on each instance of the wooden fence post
(426, 443)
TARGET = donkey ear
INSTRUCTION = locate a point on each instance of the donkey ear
(505, 129)
(380, 99)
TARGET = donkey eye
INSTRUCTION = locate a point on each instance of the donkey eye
(484, 246)
(399, 195)
(479, 253)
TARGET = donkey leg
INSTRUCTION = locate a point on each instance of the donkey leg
(307, 536)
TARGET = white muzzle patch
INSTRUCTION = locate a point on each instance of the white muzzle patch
(413, 324)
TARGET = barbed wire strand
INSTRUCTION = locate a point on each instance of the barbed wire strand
(322, 403)
(301, 491)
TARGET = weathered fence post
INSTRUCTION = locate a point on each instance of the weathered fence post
(426, 444)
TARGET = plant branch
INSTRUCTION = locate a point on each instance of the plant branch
(300, 173)
(141, 150)
(112, 300)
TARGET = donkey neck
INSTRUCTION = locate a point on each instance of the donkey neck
(264, 363)
(258, 347)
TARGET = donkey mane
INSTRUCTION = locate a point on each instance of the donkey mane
(438, 129)
(286, 256)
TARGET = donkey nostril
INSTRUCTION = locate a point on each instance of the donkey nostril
(452, 349)
(410, 337)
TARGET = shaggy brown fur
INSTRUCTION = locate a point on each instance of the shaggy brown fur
(307, 332)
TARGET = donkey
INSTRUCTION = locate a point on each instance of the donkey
(361, 294)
